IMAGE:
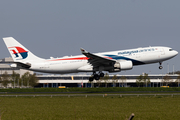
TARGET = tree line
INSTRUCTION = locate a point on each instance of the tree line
(15, 80)
(168, 81)
(141, 81)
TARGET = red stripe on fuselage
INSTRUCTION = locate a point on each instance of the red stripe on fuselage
(79, 58)
(108, 57)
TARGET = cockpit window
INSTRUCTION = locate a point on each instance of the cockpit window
(170, 49)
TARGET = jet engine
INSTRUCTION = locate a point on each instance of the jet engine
(122, 65)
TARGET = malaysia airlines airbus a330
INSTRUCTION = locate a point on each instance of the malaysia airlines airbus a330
(114, 61)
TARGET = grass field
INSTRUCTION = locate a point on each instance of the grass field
(90, 108)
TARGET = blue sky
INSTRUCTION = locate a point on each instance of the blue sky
(61, 27)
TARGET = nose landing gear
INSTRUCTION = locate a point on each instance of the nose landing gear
(160, 67)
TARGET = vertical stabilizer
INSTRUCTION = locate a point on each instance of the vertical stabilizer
(18, 52)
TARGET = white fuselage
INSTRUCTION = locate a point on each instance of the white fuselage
(114, 61)
(80, 63)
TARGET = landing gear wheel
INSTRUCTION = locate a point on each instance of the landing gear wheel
(96, 77)
(160, 67)
(91, 79)
(101, 74)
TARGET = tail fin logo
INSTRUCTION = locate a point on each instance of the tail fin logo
(19, 52)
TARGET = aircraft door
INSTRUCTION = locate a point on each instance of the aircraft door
(46, 65)
(162, 51)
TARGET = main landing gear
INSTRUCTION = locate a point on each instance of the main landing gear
(160, 65)
(96, 76)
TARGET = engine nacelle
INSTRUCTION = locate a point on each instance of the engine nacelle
(126, 65)
(122, 65)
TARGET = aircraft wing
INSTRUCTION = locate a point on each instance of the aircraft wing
(96, 60)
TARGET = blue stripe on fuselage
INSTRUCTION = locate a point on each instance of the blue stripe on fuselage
(135, 62)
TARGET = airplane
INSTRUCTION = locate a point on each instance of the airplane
(114, 61)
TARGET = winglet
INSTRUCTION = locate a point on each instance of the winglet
(83, 51)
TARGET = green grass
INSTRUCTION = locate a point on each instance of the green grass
(90, 108)
(90, 90)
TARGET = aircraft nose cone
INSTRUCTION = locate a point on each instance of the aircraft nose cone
(175, 53)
